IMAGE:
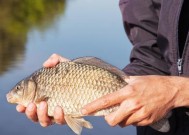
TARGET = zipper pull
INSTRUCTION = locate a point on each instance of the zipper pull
(179, 64)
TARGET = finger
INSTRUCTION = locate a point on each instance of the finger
(125, 110)
(106, 101)
(59, 116)
(53, 60)
(151, 119)
(42, 115)
(20, 108)
(144, 122)
(134, 118)
(124, 124)
(31, 112)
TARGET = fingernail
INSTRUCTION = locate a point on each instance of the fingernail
(30, 107)
(43, 124)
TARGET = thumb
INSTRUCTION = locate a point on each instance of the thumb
(53, 60)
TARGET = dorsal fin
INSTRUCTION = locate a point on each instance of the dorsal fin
(100, 63)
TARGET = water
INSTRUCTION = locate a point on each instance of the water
(31, 31)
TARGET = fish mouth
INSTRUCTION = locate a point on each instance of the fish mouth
(10, 98)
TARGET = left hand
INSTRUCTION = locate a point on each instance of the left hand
(145, 100)
(40, 114)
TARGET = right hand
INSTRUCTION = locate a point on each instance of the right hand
(40, 114)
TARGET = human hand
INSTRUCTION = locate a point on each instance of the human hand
(145, 100)
(40, 114)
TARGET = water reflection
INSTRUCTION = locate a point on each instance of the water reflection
(17, 18)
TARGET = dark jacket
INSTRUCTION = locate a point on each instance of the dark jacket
(158, 31)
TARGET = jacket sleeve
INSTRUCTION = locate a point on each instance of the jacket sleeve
(140, 18)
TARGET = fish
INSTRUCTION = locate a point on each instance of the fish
(71, 85)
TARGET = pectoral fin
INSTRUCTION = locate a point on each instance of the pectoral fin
(76, 124)
(42, 98)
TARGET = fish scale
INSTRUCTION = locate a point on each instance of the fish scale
(80, 84)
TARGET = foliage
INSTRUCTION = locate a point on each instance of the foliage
(17, 18)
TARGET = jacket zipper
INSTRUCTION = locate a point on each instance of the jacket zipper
(180, 56)
(180, 60)
(179, 65)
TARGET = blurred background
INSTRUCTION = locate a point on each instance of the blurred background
(31, 30)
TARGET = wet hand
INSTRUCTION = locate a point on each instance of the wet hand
(40, 114)
(146, 99)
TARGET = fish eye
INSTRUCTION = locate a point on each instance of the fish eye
(19, 90)
(18, 87)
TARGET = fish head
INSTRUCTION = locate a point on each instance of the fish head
(23, 92)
